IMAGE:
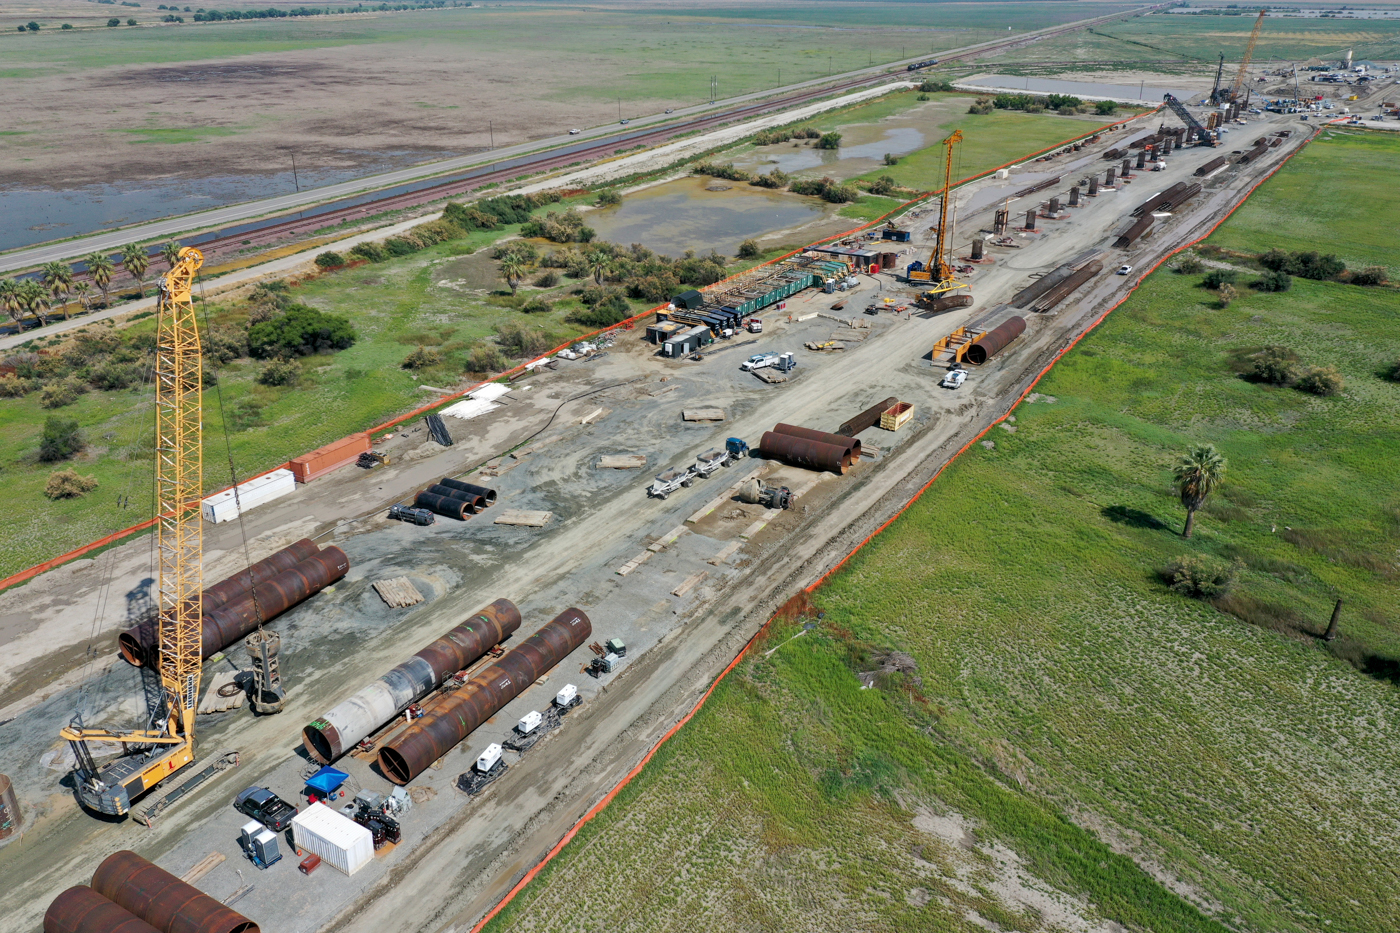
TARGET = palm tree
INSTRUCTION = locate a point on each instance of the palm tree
(1197, 473)
(100, 268)
(136, 262)
(33, 298)
(598, 261)
(84, 292)
(58, 279)
(10, 301)
(512, 269)
(170, 252)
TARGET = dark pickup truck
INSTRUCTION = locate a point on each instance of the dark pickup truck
(265, 807)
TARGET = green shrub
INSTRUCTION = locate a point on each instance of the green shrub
(1393, 372)
(517, 340)
(537, 305)
(1105, 108)
(374, 252)
(1307, 264)
(891, 159)
(607, 311)
(1371, 275)
(654, 288)
(749, 249)
(422, 358)
(226, 344)
(1321, 380)
(608, 198)
(1273, 281)
(112, 376)
(114, 22)
(1226, 294)
(1199, 577)
(1189, 265)
(547, 280)
(841, 194)
(931, 85)
(300, 331)
(67, 484)
(923, 97)
(1218, 277)
(280, 373)
(15, 386)
(1274, 365)
(883, 185)
(400, 246)
(485, 359)
(775, 179)
(727, 171)
(60, 393)
(61, 439)
(829, 141)
(330, 260)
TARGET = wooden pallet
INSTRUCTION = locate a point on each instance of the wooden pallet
(523, 517)
(398, 592)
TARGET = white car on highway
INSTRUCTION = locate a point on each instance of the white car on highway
(575, 132)
(954, 379)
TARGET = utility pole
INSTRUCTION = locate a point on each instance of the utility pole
(295, 181)
(491, 128)
(619, 109)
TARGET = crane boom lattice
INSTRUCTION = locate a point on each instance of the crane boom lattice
(1248, 56)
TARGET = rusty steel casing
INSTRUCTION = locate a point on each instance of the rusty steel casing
(1066, 288)
(163, 900)
(80, 909)
(339, 730)
(949, 302)
(233, 622)
(1211, 166)
(798, 451)
(867, 418)
(995, 340)
(474, 502)
(488, 494)
(454, 716)
(822, 437)
(1132, 234)
(442, 505)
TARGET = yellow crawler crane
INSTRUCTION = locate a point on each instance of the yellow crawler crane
(155, 753)
(939, 272)
(1248, 56)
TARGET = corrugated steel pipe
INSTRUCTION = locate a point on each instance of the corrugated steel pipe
(346, 724)
(454, 716)
(867, 418)
(822, 437)
(799, 451)
(80, 909)
(235, 621)
(488, 494)
(442, 505)
(162, 900)
(474, 502)
(137, 642)
(995, 340)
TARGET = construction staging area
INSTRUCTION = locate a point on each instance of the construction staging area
(588, 557)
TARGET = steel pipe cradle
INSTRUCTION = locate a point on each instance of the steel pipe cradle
(339, 730)
(443, 505)
(799, 451)
(868, 418)
(995, 340)
(488, 494)
(163, 900)
(452, 717)
(80, 909)
(136, 643)
(822, 437)
(474, 502)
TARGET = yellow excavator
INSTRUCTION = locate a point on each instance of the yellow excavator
(155, 753)
(939, 271)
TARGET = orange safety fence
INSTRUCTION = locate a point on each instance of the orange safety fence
(627, 779)
(423, 409)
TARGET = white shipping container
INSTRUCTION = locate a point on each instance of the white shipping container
(223, 507)
(337, 839)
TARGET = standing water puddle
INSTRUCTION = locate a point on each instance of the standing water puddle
(896, 140)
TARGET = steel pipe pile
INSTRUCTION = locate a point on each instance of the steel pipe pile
(454, 716)
(1130, 236)
(868, 418)
(1211, 166)
(798, 451)
(80, 909)
(948, 302)
(163, 900)
(1160, 201)
(822, 437)
(443, 505)
(488, 494)
(995, 340)
(339, 730)
(1063, 290)
(474, 502)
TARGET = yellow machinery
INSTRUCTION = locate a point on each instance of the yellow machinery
(1248, 56)
(155, 753)
(939, 272)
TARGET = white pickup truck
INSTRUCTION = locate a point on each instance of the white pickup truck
(759, 361)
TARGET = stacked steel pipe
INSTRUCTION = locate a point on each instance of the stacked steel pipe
(131, 895)
(1162, 201)
(448, 506)
(234, 607)
(453, 716)
(822, 437)
(1067, 287)
(1130, 236)
(1211, 166)
(339, 730)
(488, 494)
(454, 498)
(995, 340)
(474, 502)
(799, 451)
(1260, 147)
(868, 418)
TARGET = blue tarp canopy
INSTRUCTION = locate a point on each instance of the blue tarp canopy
(327, 780)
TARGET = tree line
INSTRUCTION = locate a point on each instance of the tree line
(35, 298)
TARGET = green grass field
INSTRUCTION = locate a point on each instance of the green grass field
(1247, 767)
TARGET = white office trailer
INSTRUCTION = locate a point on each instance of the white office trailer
(224, 506)
(337, 839)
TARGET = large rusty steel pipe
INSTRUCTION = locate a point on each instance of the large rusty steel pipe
(1063, 290)
(233, 622)
(474, 502)
(799, 451)
(947, 303)
(80, 909)
(995, 340)
(454, 716)
(1130, 236)
(867, 418)
(822, 437)
(442, 505)
(339, 730)
(162, 900)
(135, 643)
(488, 494)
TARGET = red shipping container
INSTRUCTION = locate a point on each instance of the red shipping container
(324, 459)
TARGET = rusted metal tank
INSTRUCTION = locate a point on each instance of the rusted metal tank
(10, 815)
(1130, 236)
(995, 340)
(867, 418)
(822, 437)
(80, 909)
(338, 731)
(443, 505)
(233, 622)
(474, 502)
(488, 494)
(454, 716)
(135, 643)
(799, 451)
(163, 900)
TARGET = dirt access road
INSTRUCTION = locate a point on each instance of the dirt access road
(458, 857)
